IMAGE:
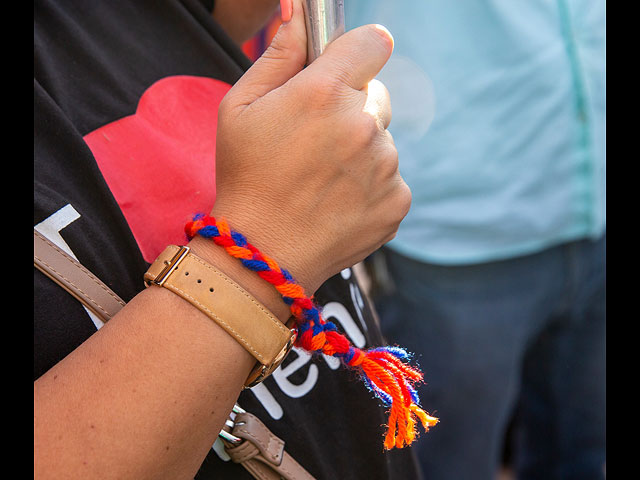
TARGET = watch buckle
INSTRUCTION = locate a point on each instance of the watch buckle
(169, 267)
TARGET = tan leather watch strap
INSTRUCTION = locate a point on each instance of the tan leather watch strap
(75, 278)
(227, 303)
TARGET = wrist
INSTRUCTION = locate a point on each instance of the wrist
(275, 237)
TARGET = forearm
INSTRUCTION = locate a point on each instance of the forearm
(145, 396)
(242, 19)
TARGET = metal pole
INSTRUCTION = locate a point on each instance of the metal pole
(325, 23)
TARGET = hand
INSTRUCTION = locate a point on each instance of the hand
(306, 169)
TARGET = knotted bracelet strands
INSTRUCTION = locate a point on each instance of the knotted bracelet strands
(384, 370)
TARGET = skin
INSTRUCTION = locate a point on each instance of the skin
(144, 397)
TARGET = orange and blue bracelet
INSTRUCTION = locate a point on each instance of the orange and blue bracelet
(384, 370)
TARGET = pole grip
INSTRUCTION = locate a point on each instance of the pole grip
(325, 23)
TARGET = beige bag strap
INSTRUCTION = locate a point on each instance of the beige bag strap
(74, 278)
(249, 442)
(258, 450)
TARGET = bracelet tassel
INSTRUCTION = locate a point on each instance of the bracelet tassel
(384, 370)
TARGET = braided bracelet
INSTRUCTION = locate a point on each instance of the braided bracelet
(384, 370)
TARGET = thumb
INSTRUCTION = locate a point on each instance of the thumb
(355, 57)
(283, 59)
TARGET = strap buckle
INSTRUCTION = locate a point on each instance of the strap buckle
(230, 423)
(169, 267)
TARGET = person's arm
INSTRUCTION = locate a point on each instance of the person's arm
(142, 398)
(242, 19)
(146, 395)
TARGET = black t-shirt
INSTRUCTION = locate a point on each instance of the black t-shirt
(125, 109)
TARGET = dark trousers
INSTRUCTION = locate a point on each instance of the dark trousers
(521, 339)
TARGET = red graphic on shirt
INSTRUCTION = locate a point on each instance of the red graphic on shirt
(160, 162)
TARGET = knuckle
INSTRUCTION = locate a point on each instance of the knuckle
(388, 161)
(405, 198)
(278, 50)
(365, 130)
(397, 207)
(322, 93)
(392, 159)
(391, 234)
(378, 94)
(402, 198)
(327, 85)
(274, 51)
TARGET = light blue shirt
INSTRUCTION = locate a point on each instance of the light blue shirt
(499, 117)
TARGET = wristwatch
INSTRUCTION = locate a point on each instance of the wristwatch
(226, 303)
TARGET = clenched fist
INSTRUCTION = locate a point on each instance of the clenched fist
(306, 169)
